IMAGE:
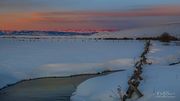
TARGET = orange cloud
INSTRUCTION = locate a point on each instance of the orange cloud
(78, 21)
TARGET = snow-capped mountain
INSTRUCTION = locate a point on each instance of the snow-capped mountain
(43, 33)
(153, 31)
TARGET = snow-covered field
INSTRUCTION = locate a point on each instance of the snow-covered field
(24, 59)
(161, 81)
(152, 31)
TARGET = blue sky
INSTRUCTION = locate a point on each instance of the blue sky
(79, 5)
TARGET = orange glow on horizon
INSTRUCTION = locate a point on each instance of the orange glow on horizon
(76, 21)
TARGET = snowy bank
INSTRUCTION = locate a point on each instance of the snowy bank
(156, 86)
(160, 81)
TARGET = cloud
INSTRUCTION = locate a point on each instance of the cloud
(17, 6)
(90, 20)
(165, 10)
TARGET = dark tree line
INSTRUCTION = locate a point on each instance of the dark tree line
(165, 37)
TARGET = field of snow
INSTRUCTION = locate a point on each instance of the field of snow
(24, 59)
(160, 81)
(164, 53)
(172, 29)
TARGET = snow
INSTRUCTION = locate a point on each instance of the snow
(24, 59)
(173, 29)
(102, 88)
(164, 53)
(82, 68)
(62, 56)
(160, 81)
(148, 31)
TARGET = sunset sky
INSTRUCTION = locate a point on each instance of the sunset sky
(86, 15)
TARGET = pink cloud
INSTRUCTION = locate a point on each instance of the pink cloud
(79, 21)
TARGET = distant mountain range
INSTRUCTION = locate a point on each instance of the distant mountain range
(153, 31)
(44, 33)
